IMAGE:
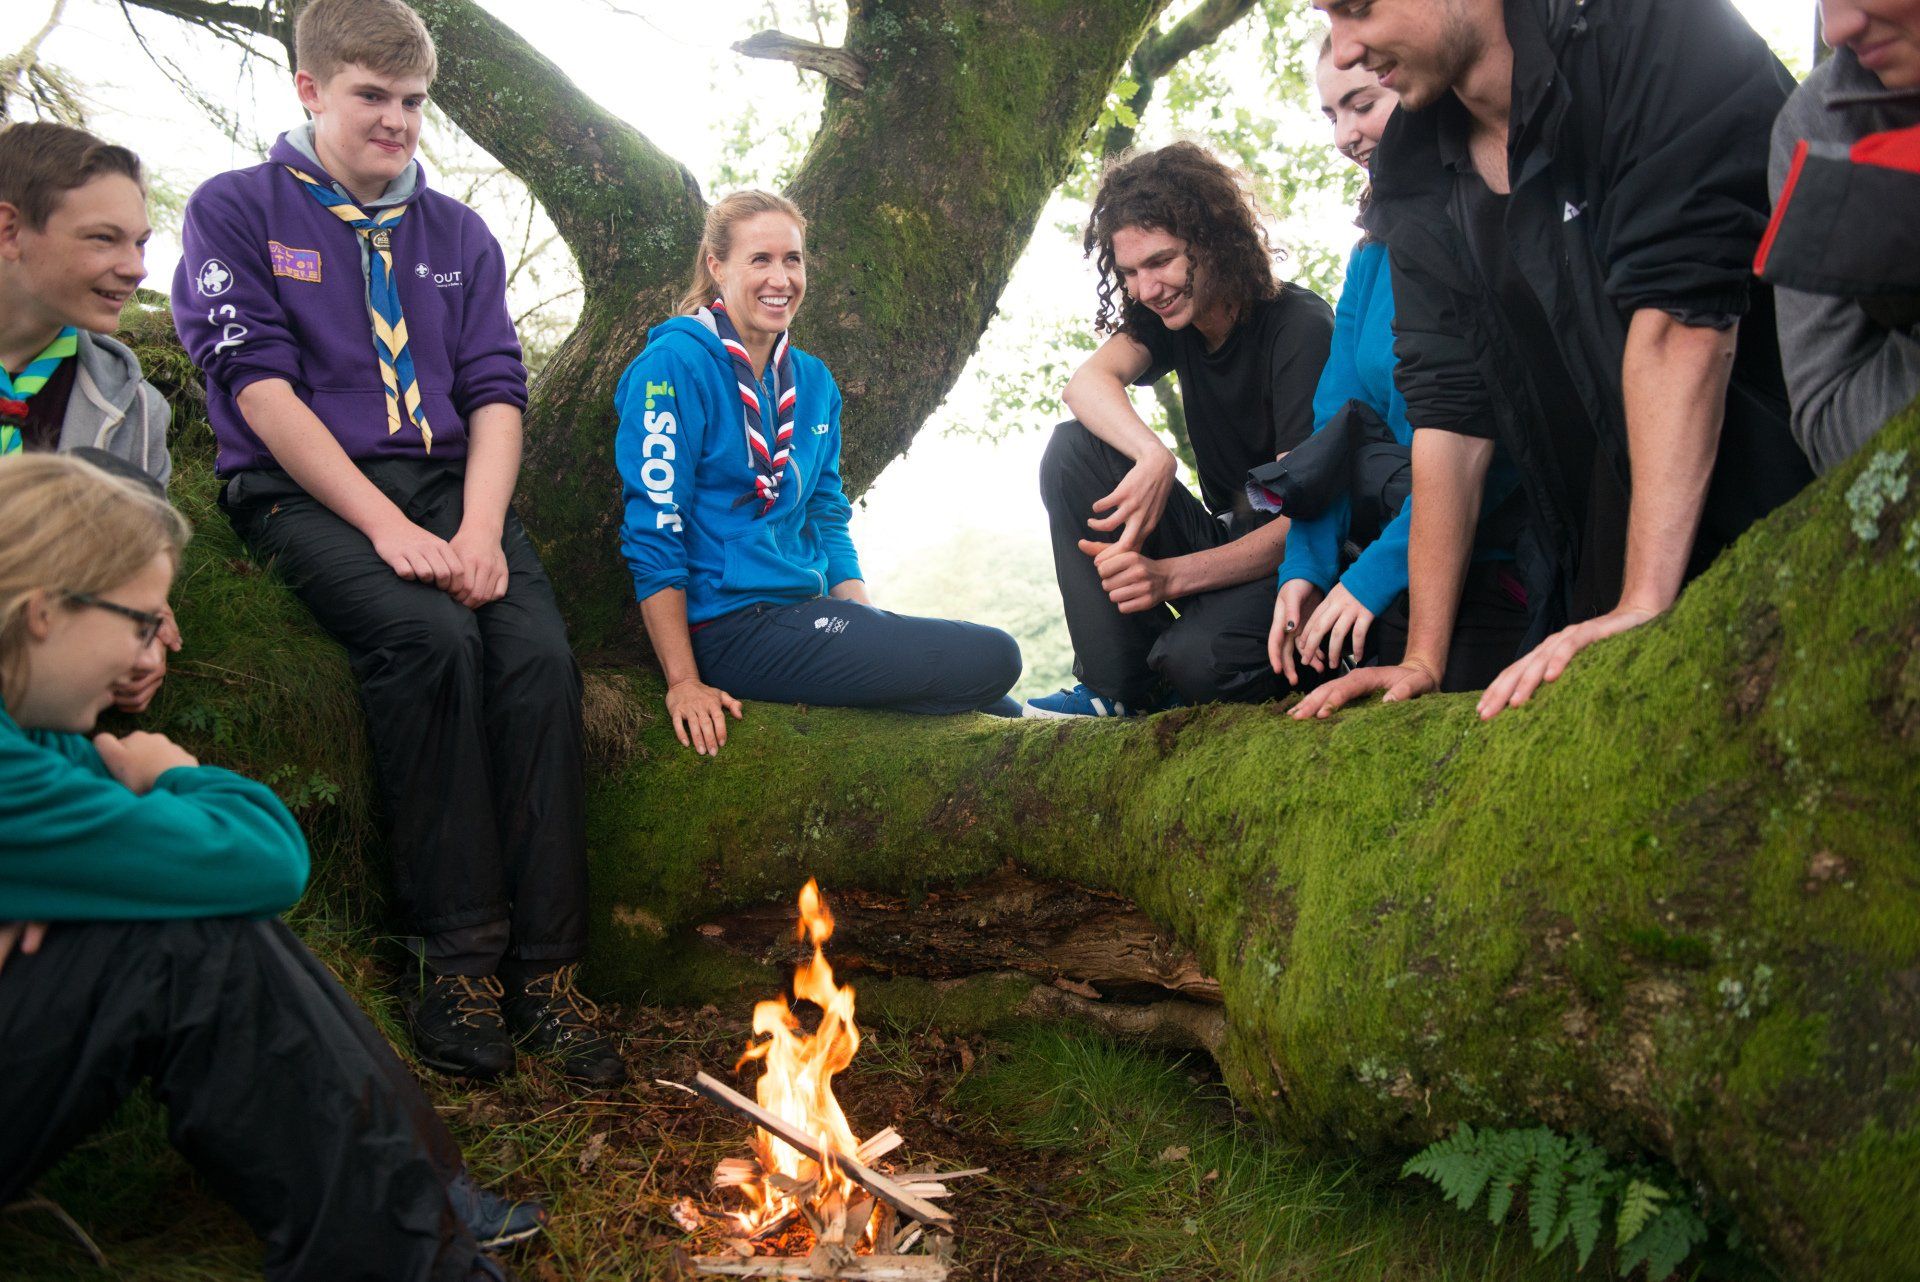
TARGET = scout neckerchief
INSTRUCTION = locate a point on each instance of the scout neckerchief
(383, 303)
(14, 392)
(767, 463)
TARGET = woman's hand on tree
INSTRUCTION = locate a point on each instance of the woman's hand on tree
(1401, 682)
(138, 759)
(698, 712)
(1338, 622)
(1291, 609)
(1135, 505)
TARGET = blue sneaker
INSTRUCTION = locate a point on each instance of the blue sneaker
(1077, 702)
(495, 1221)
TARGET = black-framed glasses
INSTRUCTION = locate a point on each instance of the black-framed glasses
(150, 623)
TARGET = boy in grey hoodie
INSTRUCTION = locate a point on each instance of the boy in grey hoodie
(73, 236)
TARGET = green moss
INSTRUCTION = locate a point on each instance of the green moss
(1654, 944)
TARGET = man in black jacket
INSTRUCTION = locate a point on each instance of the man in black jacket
(1572, 192)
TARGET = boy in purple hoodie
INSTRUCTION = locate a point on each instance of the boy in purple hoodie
(365, 388)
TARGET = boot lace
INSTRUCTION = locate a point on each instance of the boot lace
(565, 1005)
(478, 1000)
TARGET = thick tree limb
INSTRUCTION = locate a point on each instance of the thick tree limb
(836, 65)
(629, 212)
(235, 21)
(1161, 51)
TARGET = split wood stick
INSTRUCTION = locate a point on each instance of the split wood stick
(857, 1171)
(863, 1268)
(878, 1145)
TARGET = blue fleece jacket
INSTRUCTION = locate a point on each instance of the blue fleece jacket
(682, 453)
(76, 845)
(1360, 368)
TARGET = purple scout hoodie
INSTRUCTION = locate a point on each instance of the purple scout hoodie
(270, 285)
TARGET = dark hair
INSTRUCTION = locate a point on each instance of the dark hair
(1365, 200)
(1183, 190)
(40, 162)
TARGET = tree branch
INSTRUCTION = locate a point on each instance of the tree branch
(624, 207)
(836, 65)
(1161, 51)
(234, 21)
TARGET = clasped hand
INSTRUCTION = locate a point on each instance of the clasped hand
(471, 567)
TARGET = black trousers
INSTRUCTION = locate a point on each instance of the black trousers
(1487, 632)
(1216, 647)
(277, 1089)
(841, 654)
(474, 717)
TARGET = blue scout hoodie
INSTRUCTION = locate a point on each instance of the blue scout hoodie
(682, 451)
(270, 285)
(77, 845)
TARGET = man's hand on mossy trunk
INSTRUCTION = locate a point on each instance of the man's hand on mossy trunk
(1550, 658)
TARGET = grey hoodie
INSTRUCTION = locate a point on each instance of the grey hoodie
(113, 408)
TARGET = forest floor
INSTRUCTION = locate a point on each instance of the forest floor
(1105, 1162)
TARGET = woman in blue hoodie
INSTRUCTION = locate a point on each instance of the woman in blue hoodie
(138, 939)
(735, 521)
(1333, 595)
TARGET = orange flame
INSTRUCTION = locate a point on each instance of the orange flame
(798, 1082)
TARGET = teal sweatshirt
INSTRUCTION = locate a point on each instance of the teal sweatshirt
(76, 845)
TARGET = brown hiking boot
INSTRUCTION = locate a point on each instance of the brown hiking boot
(457, 1027)
(549, 1016)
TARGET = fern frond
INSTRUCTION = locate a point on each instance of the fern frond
(1544, 1193)
(1459, 1164)
(1511, 1158)
(1589, 1184)
(1639, 1203)
(1664, 1243)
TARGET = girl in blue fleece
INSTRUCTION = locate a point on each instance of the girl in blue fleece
(138, 936)
(1323, 614)
(735, 520)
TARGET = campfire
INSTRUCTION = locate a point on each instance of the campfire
(814, 1200)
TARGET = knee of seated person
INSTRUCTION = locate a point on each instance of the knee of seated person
(440, 636)
(1184, 659)
(997, 664)
(1068, 447)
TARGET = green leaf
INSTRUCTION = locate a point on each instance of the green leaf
(1638, 1205)
(1544, 1193)
(1664, 1244)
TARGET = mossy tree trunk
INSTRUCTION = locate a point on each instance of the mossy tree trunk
(922, 186)
(1674, 904)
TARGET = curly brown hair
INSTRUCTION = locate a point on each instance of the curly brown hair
(1183, 190)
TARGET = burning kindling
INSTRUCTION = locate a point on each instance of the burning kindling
(817, 1202)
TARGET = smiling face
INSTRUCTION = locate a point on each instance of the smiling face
(1883, 34)
(82, 266)
(1157, 270)
(366, 125)
(763, 277)
(77, 653)
(1419, 49)
(1357, 107)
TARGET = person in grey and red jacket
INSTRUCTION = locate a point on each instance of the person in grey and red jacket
(1843, 251)
(366, 388)
(1571, 195)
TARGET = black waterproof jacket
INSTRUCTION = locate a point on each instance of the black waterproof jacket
(1637, 157)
